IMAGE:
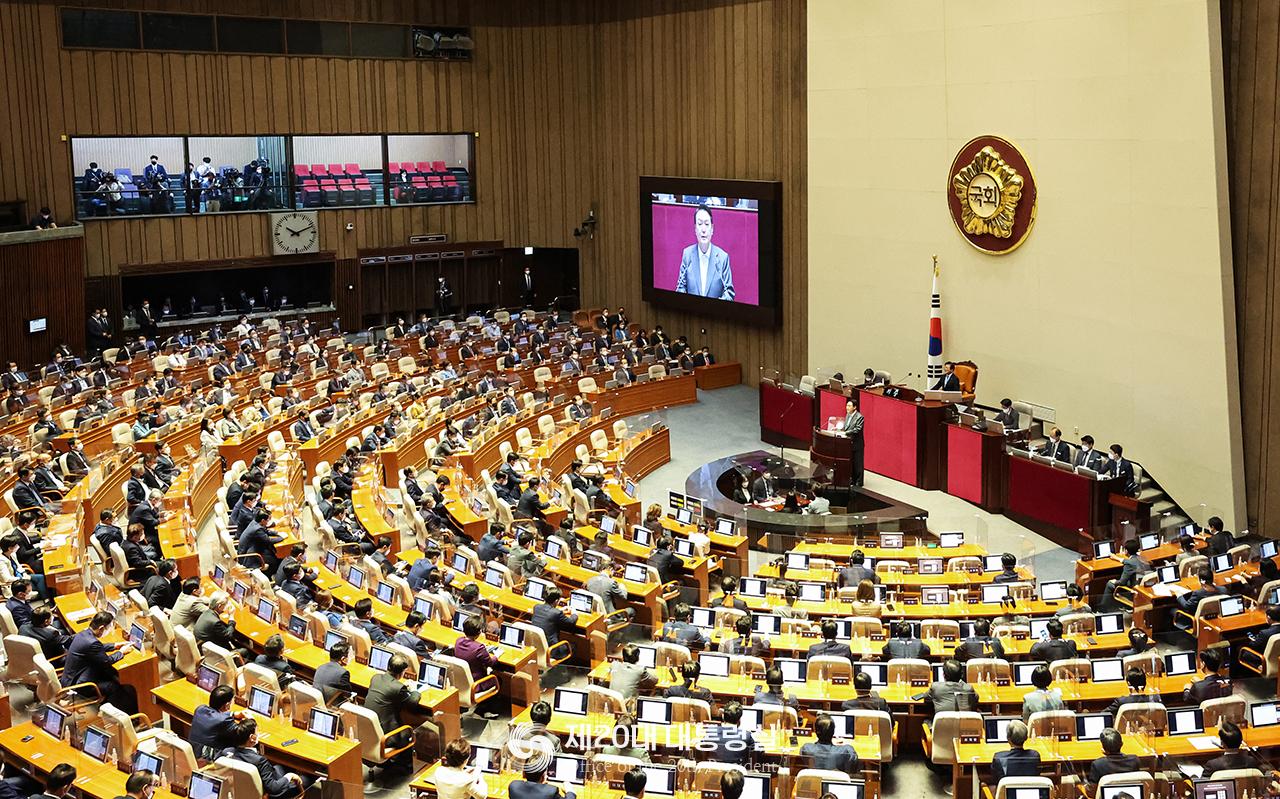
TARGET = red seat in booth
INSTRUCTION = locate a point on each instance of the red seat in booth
(318, 170)
(439, 167)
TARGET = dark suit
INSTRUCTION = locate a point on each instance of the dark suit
(332, 678)
(160, 592)
(668, 564)
(1210, 687)
(1121, 701)
(258, 540)
(20, 610)
(522, 789)
(731, 744)
(26, 496)
(1113, 764)
(274, 782)
(905, 648)
(89, 660)
(1015, 763)
(1231, 759)
(530, 505)
(682, 632)
(1123, 469)
(551, 620)
(1053, 650)
(212, 629)
(830, 649)
(947, 383)
(1059, 450)
(976, 647)
(1220, 543)
(1089, 460)
(210, 731)
(52, 642)
(146, 515)
(850, 576)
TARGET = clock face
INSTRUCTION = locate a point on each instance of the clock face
(296, 232)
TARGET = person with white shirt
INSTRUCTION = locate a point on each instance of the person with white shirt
(454, 779)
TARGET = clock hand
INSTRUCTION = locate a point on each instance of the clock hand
(294, 232)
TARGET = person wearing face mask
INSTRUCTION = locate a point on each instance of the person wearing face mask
(1056, 448)
(1117, 466)
(1088, 457)
(156, 180)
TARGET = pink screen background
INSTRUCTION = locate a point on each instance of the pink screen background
(736, 232)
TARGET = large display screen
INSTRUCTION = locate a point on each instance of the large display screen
(712, 246)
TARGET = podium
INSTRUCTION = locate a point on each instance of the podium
(976, 466)
(905, 436)
(833, 452)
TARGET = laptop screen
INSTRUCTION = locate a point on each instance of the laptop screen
(567, 700)
(1108, 623)
(266, 610)
(1214, 789)
(1186, 721)
(1168, 574)
(54, 721)
(1090, 726)
(208, 677)
(332, 639)
(138, 636)
(379, 657)
(493, 576)
(684, 516)
(387, 592)
(993, 594)
(1022, 672)
(660, 780)
(752, 586)
(704, 618)
(929, 565)
(950, 540)
(1108, 670)
(813, 592)
(891, 540)
(145, 761)
(766, 624)
(879, 672)
(536, 588)
(1231, 606)
(431, 674)
(642, 536)
(797, 560)
(752, 719)
(355, 577)
(1221, 563)
(1149, 541)
(648, 656)
(724, 526)
(1264, 714)
(1133, 790)
(261, 701)
(1053, 590)
(202, 786)
(653, 711)
(331, 560)
(684, 547)
(630, 488)
(756, 786)
(511, 635)
(1268, 549)
(793, 670)
(844, 790)
(1102, 549)
(582, 602)
(567, 770)
(934, 595)
(992, 563)
(607, 524)
(96, 743)
(486, 759)
(636, 573)
(1178, 663)
(997, 728)
(323, 723)
(711, 664)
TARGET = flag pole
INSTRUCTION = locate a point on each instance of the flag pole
(934, 370)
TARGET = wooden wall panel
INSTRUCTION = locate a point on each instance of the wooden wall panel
(572, 100)
(1251, 58)
(41, 278)
(736, 110)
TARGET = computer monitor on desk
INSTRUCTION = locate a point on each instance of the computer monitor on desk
(943, 396)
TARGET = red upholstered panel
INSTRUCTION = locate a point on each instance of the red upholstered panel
(830, 404)
(890, 436)
(1048, 494)
(786, 412)
(964, 463)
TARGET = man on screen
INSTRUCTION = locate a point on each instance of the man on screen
(704, 267)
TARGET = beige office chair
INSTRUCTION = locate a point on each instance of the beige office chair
(941, 734)
(1139, 717)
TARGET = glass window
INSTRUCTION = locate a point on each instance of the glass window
(114, 176)
(336, 171)
(431, 168)
(312, 37)
(114, 30)
(250, 35)
(237, 173)
(184, 32)
(379, 41)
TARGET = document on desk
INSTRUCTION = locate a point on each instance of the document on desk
(1193, 770)
(1160, 589)
(1203, 743)
(1178, 590)
(81, 614)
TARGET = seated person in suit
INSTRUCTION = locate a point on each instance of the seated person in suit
(1117, 466)
(1231, 758)
(864, 697)
(951, 693)
(689, 688)
(1075, 602)
(744, 643)
(1220, 540)
(827, 755)
(333, 678)
(1213, 684)
(1056, 647)
(1042, 698)
(904, 644)
(982, 644)
(678, 629)
(1087, 456)
(534, 784)
(870, 380)
(1056, 448)
(1138, 643)
(1136, 679)
(1258, 640)
(1007, 415)
(829, 646)
(1016, 761)
(276, 782)
(53, 642)
(1008, 570)
(1113, 760)
(212, 724)
(730, 743)
(628, 677)
(949, 381)
(856, 571)
(1190, 600)
(272, 658)
(1130, 572)
(729, 599)
(551, 618)
(387, 697)
(668, 564)
(772, 693)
